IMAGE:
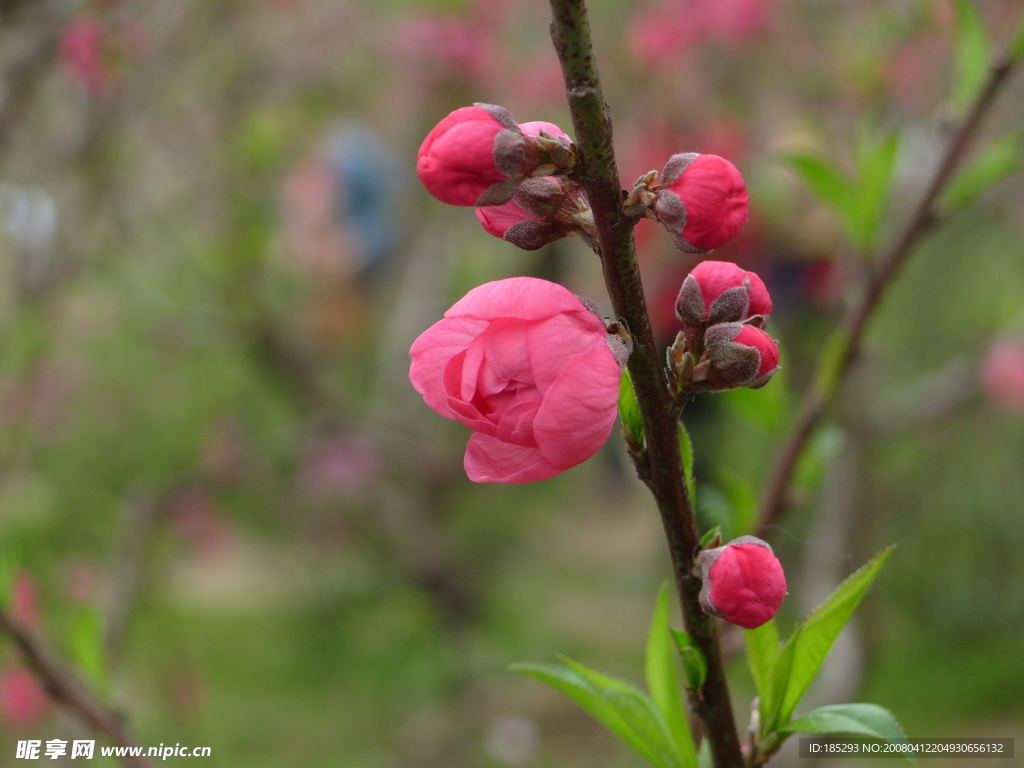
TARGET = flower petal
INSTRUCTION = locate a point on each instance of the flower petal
(431, 353)
(579, 409)
(526, 298)
(489, 460)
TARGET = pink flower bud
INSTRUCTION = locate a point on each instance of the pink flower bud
(23, 702)
(543, 210)
(720, 292)
(702, 201)
(1002, 374)
(739, 355)
(529, 367)
(743, 582)
(456, 160)
(477, 155)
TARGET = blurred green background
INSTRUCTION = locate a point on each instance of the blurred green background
(222, 500)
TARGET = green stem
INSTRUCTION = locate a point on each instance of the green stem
(660, 467)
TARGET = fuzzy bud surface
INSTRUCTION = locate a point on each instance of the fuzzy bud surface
(721, 292)
(743, 582)
(529, 367)
(740, 355)
(702, 202)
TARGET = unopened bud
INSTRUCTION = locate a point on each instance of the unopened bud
(478, 155)
(702, 201)
(721, 292)
(542, 210)
(738, 355)
(743, 582)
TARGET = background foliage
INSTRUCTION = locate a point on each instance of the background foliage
(219, 495)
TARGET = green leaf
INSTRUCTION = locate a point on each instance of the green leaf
(86, 645)
(859, 202)
(830, 361)
(704, 755)
(695, 666)
(629, 412)
(970, 61)
(766, 408)
(663, 683)
(859, 719)
(775, 687)
(762, 648)
(1001, 158)
(875, 161)
(638, 711)
(816, 457)
(742, 501)
(709, 535)
(805, 650)
(863, 719)
(7, 571)
(1016, 50)
(592, 701)
(828, 183)
(686, 449)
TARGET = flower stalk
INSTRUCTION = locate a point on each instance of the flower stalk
(660, 465)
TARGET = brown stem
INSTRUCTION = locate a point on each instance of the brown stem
(660, 466)
(822, 389)
(65, 687)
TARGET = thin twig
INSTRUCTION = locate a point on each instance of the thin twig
(660, 466)
(67, 688)
(823, 387)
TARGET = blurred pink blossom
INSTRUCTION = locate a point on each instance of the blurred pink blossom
(662, 32)
(81, 52)
(23, 702)
(1002, 374)
(345, 465)
(25, 600)
(195, 516)
(445, 47)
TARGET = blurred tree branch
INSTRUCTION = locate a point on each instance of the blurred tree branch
(68, 689)
(824, 386)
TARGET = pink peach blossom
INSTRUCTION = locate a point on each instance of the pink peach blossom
(1002, 374)
(703, 201)
(721, 292)
(740, 355)
(524, 363)
(22, 699)
(81, 51)
(498, 219)
(743, 582)
(475, 149)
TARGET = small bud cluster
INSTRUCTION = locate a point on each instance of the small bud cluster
(520, 178)
(723, 345)
(743, 582)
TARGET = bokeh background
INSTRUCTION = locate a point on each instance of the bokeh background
(221, 499)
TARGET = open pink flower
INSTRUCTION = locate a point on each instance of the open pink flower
(743, 582)
(529, 367)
